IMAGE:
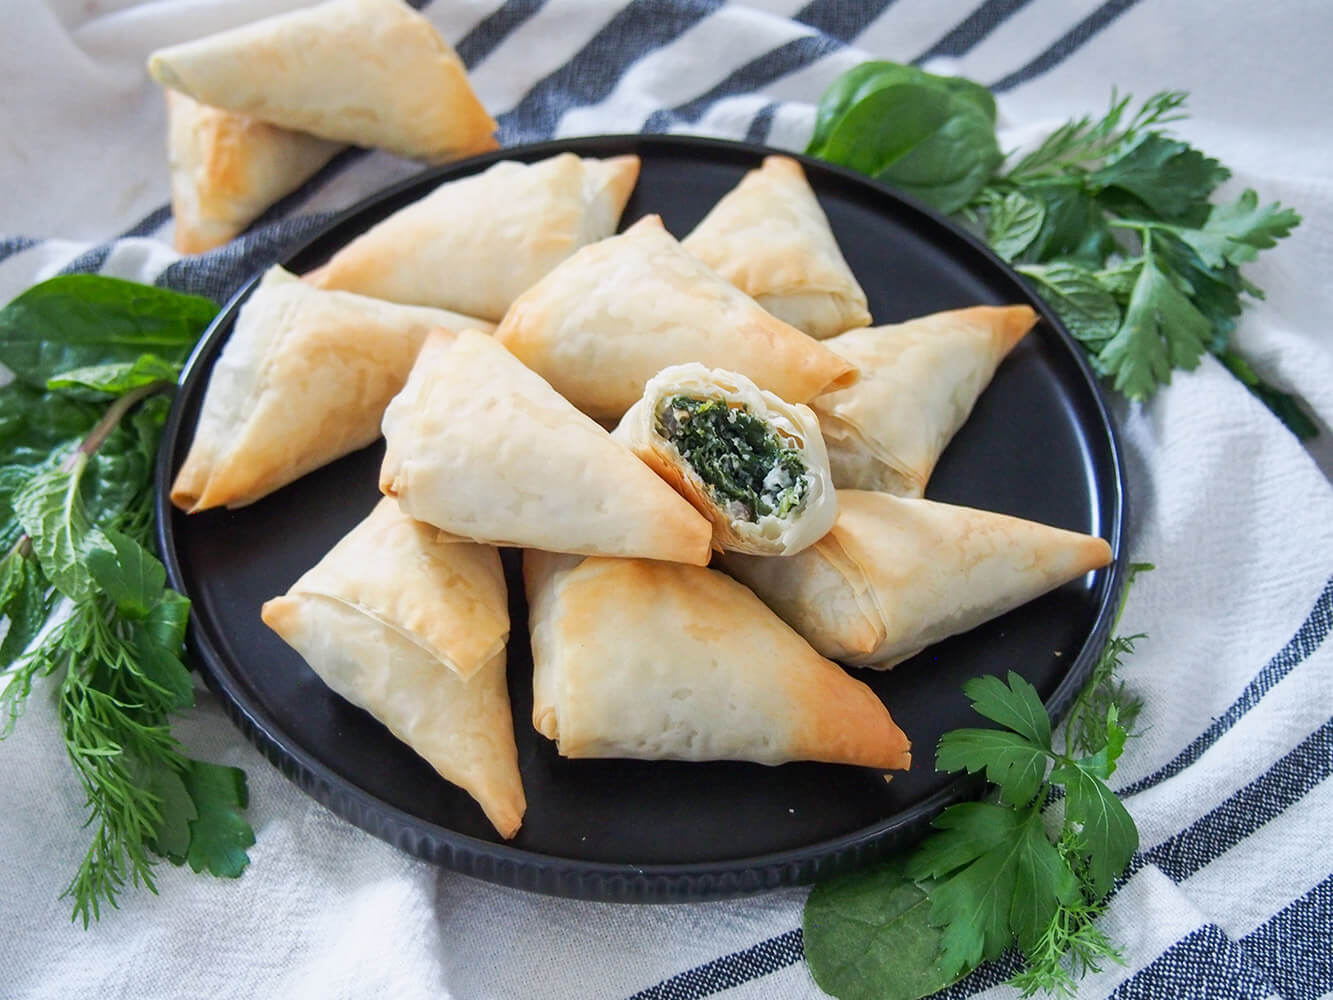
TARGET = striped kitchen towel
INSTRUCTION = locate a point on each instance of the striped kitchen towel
(1231, 894)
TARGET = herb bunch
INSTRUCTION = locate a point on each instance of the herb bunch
(85, 600)
(995, 875)
(1111, 218)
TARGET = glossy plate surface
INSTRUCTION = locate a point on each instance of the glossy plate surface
(1039, 445)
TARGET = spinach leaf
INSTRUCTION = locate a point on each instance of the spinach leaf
(861, 81)
(34, 423)
(116, 378)
(81, 320)
(868, 937)
(926, 139)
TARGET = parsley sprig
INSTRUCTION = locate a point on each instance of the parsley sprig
(1030, 866)
(85, 600)
(1111, 218)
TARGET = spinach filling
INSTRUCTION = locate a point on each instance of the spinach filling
(745, 465)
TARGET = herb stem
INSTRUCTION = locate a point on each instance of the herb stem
(102, 430)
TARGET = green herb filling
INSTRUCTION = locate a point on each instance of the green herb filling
(747, 468)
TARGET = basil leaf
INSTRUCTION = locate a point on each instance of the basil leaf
(86, 319)
(935, 145)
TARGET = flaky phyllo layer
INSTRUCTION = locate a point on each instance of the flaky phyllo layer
(750, 462)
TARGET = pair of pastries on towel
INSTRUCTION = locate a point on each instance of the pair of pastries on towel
(255, 111)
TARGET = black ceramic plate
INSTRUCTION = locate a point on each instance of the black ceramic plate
(1038, 445)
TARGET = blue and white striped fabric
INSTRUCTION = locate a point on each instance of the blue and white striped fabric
(1231, 894)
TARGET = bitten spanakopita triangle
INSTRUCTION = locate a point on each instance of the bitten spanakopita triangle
(769, 237)
(635, 658)
(919, 382)
(303, 379)
(483, 448)
(899, 573)
(751, 463)
(368, 72)
(412, 628)
(616, 313)
(227, 169)
(475, 244)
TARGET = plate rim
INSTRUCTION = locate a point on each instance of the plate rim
(503, 863)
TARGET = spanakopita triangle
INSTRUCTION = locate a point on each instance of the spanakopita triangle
(412, 628)
(919, 382)
(770, 238)
(652, 660)
(899, 573)
(483, 448)
(227, 169)
(371, 73)
(303, 379)
(475, 244)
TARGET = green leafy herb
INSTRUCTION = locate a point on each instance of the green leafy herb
(85, 600)
(994, 876)
(744, 463)
(932, 136)
(1111, 218)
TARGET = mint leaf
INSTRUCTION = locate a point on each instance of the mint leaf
(868, 937)
(1073, 225)
(1161, 330)
(127, 572)
(219, 834)
(1079, 297)
(51, 511)
(1013, 222)
(1015, 705)
(1010, 761)
(25, 600)
(1107, 832)
(80, 320)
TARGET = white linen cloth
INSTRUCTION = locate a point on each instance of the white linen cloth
(1230, 782)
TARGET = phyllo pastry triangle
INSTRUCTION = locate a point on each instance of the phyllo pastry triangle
(751, 463)
(634, 658)
(482, 447)
(919, 382)
(769, 237)
(477, 243)
(897, 574)
(616, 313)
(368, 72)
(227, 169)
(412, 627)
(303, 379)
